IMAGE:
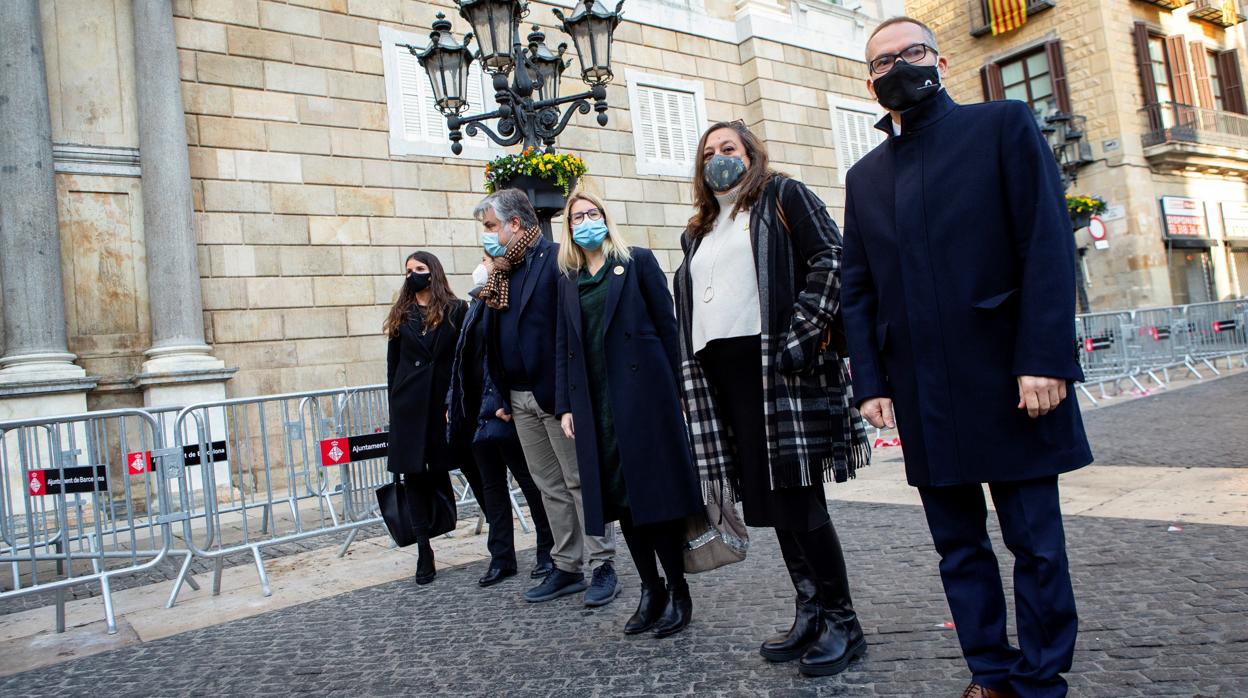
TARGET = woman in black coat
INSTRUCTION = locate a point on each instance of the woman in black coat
(616, 392)
(423, 326)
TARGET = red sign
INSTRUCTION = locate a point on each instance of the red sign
(38, 483)
(335, 452)
(139, 462)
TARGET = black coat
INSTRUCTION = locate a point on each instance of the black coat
(958, 277)
(418, 380)
(643, 379)
(533, 298)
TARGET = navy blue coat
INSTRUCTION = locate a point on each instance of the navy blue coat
(533, 296)
(958, 277)
(485, 426)
(643, 379)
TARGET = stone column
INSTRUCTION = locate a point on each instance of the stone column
(179, 357)
(37, 372)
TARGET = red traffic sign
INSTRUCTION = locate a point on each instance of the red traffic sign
(1097, 228)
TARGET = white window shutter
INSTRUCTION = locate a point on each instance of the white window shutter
(645, 123)
(668, 121)
(856, 136)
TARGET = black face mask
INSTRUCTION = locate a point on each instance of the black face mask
(418, 282)
(906, 85)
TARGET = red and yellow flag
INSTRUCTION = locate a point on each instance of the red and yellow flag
(1006, 15)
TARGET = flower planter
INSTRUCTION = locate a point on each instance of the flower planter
(546, 196)
(1079, 221)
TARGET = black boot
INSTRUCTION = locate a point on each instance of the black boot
(425, 571)
(840, 638)
(678, 613)
(791, 645)
(649, 608)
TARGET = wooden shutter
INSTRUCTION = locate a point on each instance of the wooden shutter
(1057, 72)
(1200, 76)
(1148, 88)
(990, 77)
(1180, 71)
(1232, 83)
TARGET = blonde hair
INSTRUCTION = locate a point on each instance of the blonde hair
(571, 257)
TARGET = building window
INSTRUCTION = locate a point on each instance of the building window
(1215, 84)
(853, 128)
(1037, 77)
(1159, 68)
(1028, 79)
(1175, 71)
(416, 126)
(668, 117)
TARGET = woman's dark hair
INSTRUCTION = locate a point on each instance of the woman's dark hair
(440, 297)
(706, 206)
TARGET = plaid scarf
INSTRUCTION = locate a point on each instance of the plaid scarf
(814, 433)
(497, 289)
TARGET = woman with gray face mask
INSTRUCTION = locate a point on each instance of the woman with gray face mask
(760, 286)
(471, 404)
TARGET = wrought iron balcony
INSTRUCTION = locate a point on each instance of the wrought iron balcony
(981, 21)
(1214, 12)
(1167, 4)
(1181, 137)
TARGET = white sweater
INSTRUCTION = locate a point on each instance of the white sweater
(724, 264)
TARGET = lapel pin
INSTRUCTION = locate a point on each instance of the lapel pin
(619, 271)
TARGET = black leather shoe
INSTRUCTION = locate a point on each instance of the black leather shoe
(649, 609)
(494, 575)
(541, 570)
(425, 569)
(840, 638)
(677, 614)
(791, 645)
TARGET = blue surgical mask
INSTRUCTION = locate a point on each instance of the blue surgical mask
(492, 246)
(590, 234)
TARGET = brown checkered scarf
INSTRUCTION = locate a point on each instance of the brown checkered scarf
(496, 290)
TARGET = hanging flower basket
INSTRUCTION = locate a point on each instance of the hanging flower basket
(558, 171)
(1082, 208)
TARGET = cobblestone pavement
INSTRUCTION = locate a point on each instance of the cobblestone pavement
(1203, 425)
(1163, 613)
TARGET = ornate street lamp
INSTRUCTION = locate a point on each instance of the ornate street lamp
(447, 62)
(548, 64)
(1064, 133)
(519, 72)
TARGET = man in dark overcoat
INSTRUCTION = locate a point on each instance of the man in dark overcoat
(959, 305)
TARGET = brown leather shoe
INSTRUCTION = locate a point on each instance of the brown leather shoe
(976, 691)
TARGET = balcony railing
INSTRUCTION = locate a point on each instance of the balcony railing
(1167, 4)
(981, 21)
(1182, 123)
(1214, 12)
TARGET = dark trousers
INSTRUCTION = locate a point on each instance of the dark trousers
(664, 540)
(488, 480)
(1031, 524)
(733, 368)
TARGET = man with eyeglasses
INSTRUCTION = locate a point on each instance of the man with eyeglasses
(959, 295)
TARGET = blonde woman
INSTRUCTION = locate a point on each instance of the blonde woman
(617, 396)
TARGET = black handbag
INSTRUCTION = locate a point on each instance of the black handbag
(401, 505)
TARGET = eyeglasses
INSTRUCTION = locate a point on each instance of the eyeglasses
(592, 214)
(911, 54)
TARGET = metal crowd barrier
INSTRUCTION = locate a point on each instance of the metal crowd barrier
(84, 499)
(1127, 345)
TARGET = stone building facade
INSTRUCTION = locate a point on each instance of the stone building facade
(215, 197)
(1160, 84)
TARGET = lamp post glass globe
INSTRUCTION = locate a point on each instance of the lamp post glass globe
(497, 26)
(446, 61)
(591, 27)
